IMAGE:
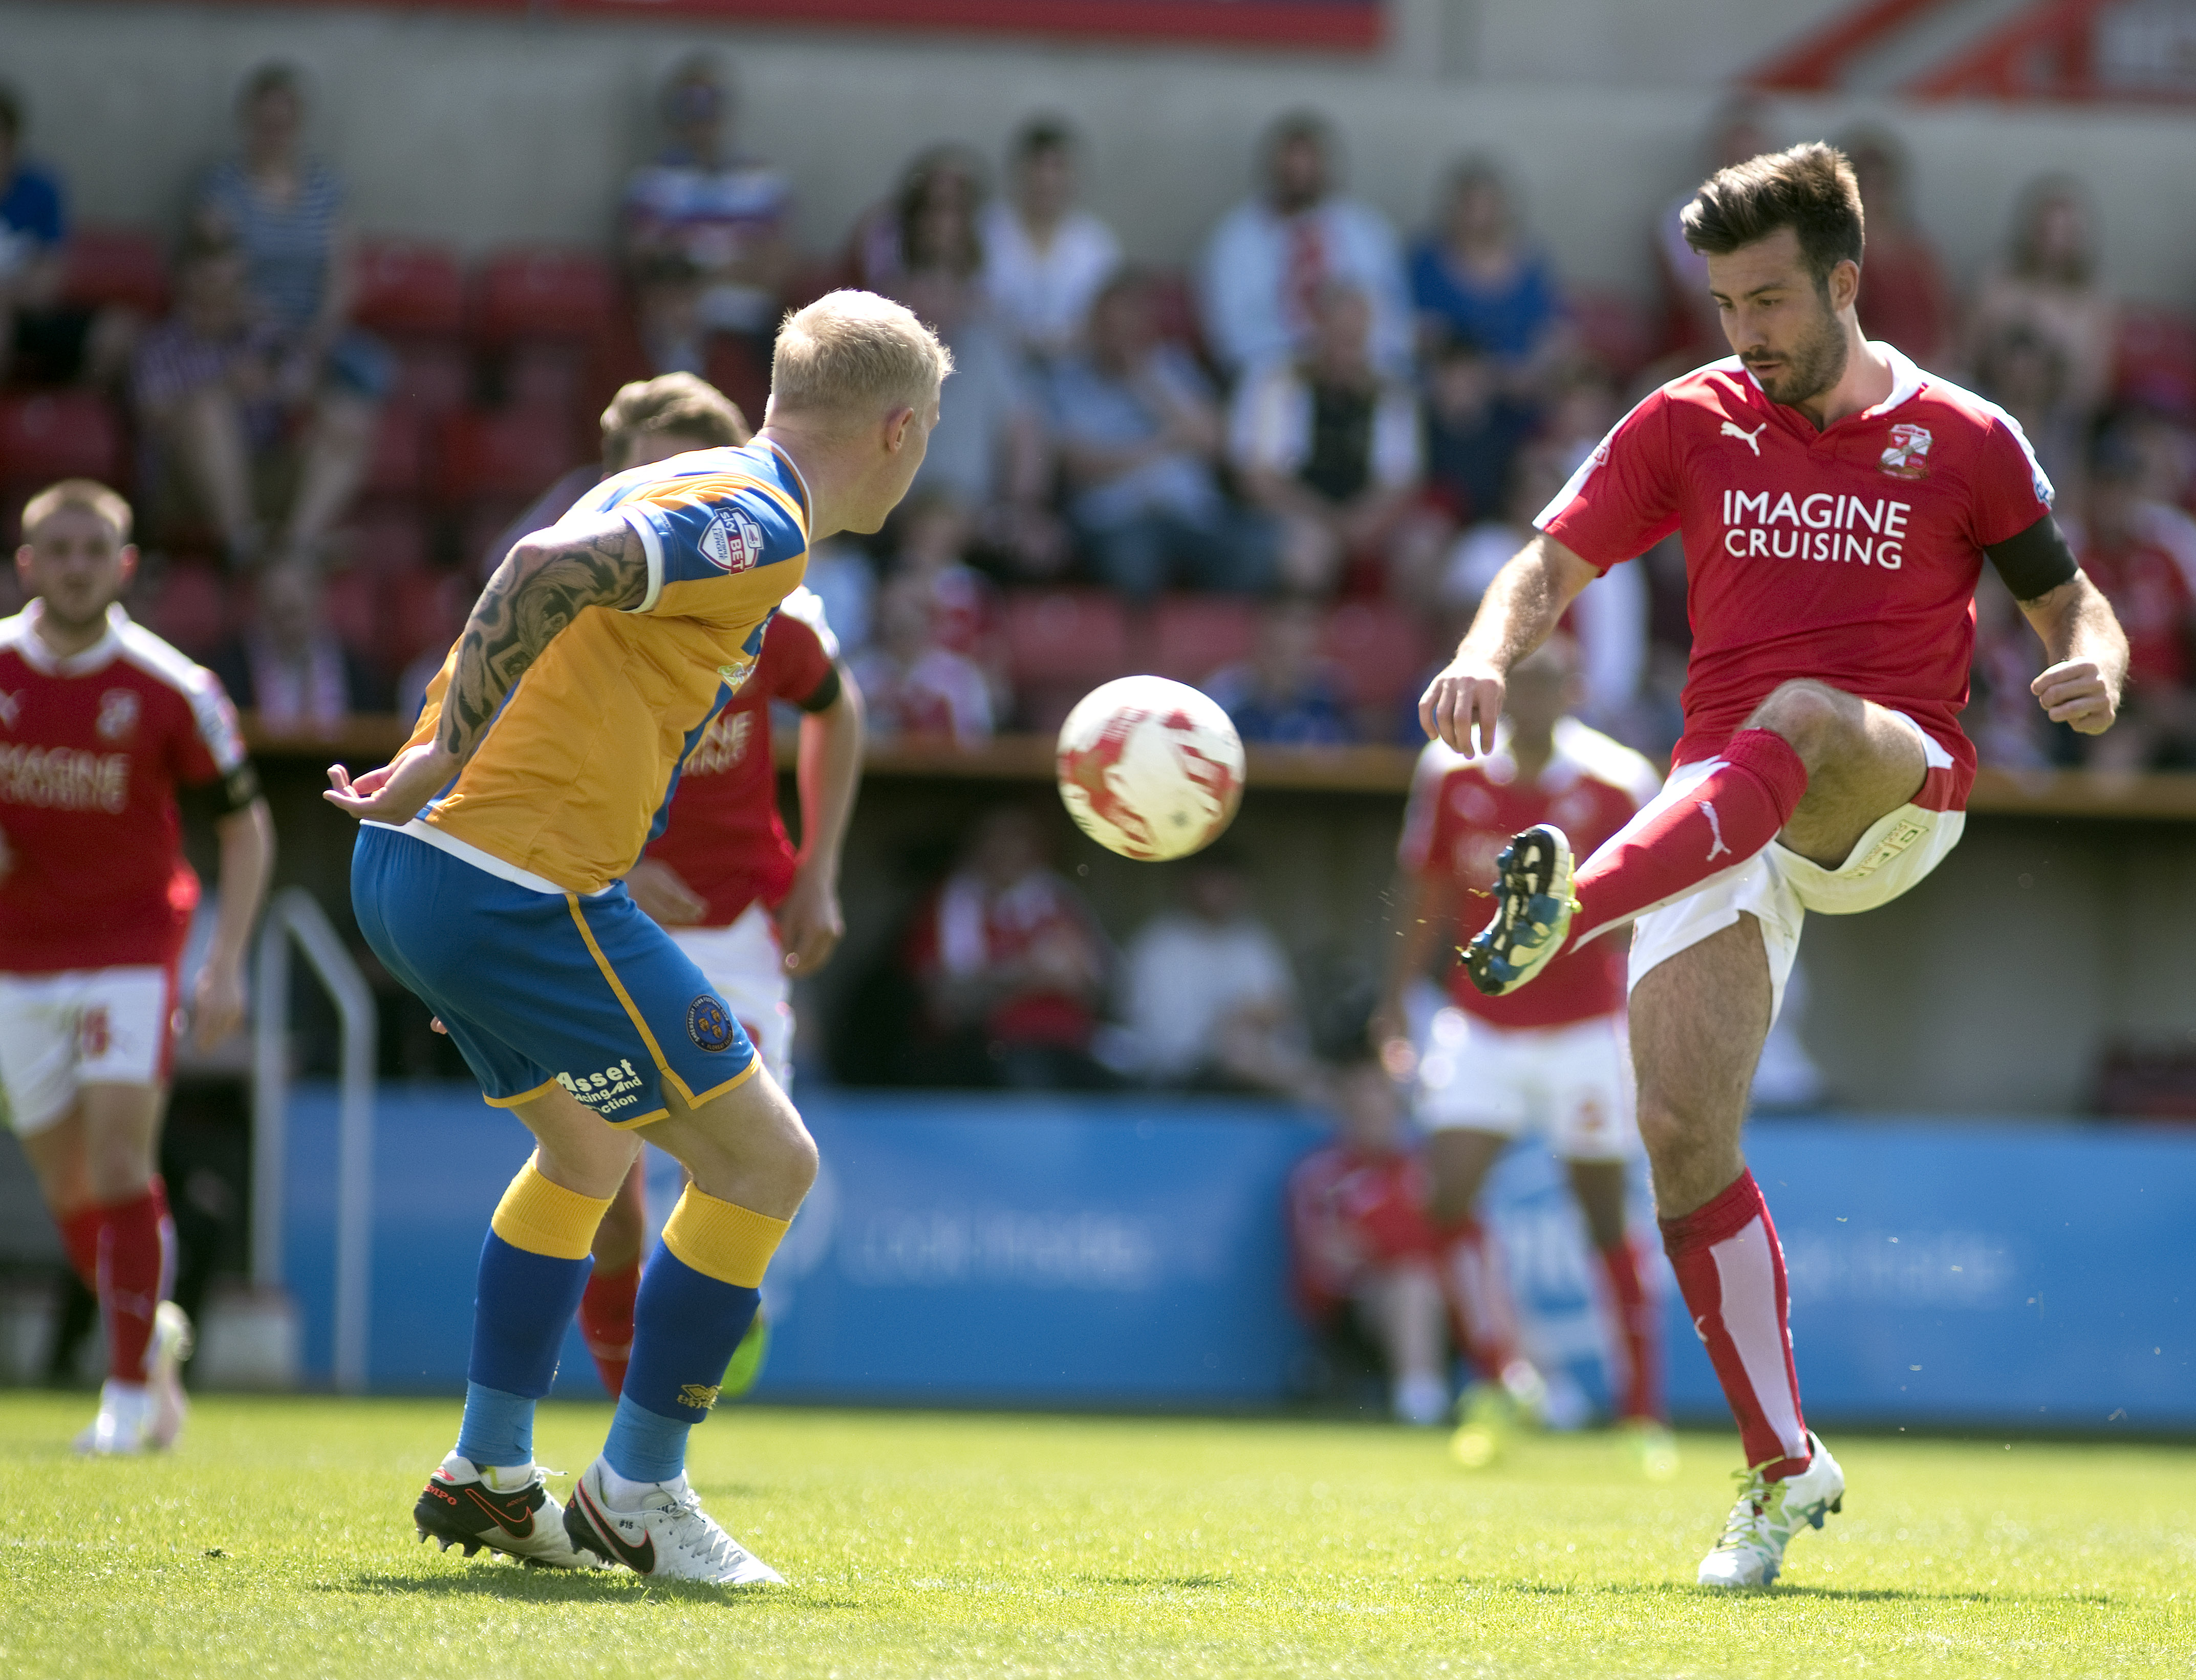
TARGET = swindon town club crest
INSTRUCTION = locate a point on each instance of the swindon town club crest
(1907, 454)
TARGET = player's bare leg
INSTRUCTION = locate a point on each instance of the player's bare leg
(749, 1162)
(1862, 762)
(1508, 1392)
(94, 1167)
(1601, 1188)
(1405, 1305)
(1698, 1021)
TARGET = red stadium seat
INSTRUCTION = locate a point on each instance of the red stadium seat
(1195, 635)
(409, 289)
(116, 266)
(400, 452)
(386, 537)
(191, 608)
(432, 378)
(1380, 650)
(2155, 364)
(542, 293)
(1613, 330)
(512, 453)
(420, 610)
(58, 435)
(1059, 636)
(352, 600)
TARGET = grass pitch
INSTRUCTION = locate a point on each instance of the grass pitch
(279, 1541)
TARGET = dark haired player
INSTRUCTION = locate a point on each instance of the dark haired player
(1836, 503)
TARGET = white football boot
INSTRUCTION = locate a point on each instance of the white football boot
(1768, 1513)
(124, 1423)
(461, 1506)
(668, 1537)
(164, 1375)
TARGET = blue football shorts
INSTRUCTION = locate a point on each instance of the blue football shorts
(540, 989)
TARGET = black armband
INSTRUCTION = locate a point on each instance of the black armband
(827, 692)
(231, 794)
(2036, 562)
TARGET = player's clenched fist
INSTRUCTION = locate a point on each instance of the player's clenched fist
(1466, 695)
(2074, 692)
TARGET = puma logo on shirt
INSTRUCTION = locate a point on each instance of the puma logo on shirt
(1751, 440)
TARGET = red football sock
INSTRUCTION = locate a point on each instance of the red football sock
(80, 1233)
(606, 1322)
(1722, 820)
(1635, 1318)
(1731, 1269)
(157, 1189)
(1481, 1312)
(132, 1260)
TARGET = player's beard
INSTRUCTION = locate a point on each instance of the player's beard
(1810, 367)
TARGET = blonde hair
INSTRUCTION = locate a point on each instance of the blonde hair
(850, 354)
(88, 494)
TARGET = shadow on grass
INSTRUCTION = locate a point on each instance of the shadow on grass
(1769, 1595)
(567, 1586)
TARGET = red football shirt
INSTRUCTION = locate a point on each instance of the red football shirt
(1463, 810)
(1349, 1213)
(1849, 555)
(92, 749)
(724, 833)
(2150, 599)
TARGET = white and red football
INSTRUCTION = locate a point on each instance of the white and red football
(1150, 769)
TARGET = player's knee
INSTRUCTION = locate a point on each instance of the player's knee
(1812, 716)
(1668, 1132)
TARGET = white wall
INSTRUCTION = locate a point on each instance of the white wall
(479, 131)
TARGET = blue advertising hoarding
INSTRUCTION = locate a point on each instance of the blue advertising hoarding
(1128, 1252)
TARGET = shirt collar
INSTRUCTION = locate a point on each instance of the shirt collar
(41, 657)
(799, 485)
(1906, 381)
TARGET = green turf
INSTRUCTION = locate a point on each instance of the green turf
(279, 1542)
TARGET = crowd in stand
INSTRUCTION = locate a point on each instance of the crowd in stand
(1285, 471)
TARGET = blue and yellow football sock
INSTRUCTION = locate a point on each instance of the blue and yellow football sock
(698, 1293)
(533, 1266)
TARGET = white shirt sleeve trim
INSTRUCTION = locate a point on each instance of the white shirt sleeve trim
(651, 546)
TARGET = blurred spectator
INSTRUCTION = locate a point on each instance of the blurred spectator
(1286, 693)
(932, 535)
(917, 690)
(1476, 278)
(1903, 299)
(1361, 1248)
(1475, 427)
(937, 205)
(289, 667)
(2049, 284)
(1210, 1002)
(1139, 434)
(1740, 131)
(1329, 445)
(707, 231)
(1012, 966)
(43, 339)
(648, 420)
(1488, 545)
(230, 407)
(2023, 372)
(284, 212)
(988, 452)
(1267, 261)
(2140, 554)
(1044, 256)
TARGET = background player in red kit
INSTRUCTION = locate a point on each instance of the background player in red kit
(1837, 503)
(753, 913)
(1553, 1058)
(102, 724)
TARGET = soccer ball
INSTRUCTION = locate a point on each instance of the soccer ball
(1150, 769)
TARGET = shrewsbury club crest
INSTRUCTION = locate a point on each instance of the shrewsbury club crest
(733, 542)
(1908, 455)
(707, 1023)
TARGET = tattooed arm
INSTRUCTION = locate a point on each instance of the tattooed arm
(548, 579)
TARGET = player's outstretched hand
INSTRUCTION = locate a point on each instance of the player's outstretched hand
(1463, 695)
(217, 1004)
(2074, 692)
(809, 923)
(394, 793)
(662, 892)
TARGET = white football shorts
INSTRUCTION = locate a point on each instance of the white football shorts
(747, 965)
(1572, 1084)
(83, 1026)
(1777, 887)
